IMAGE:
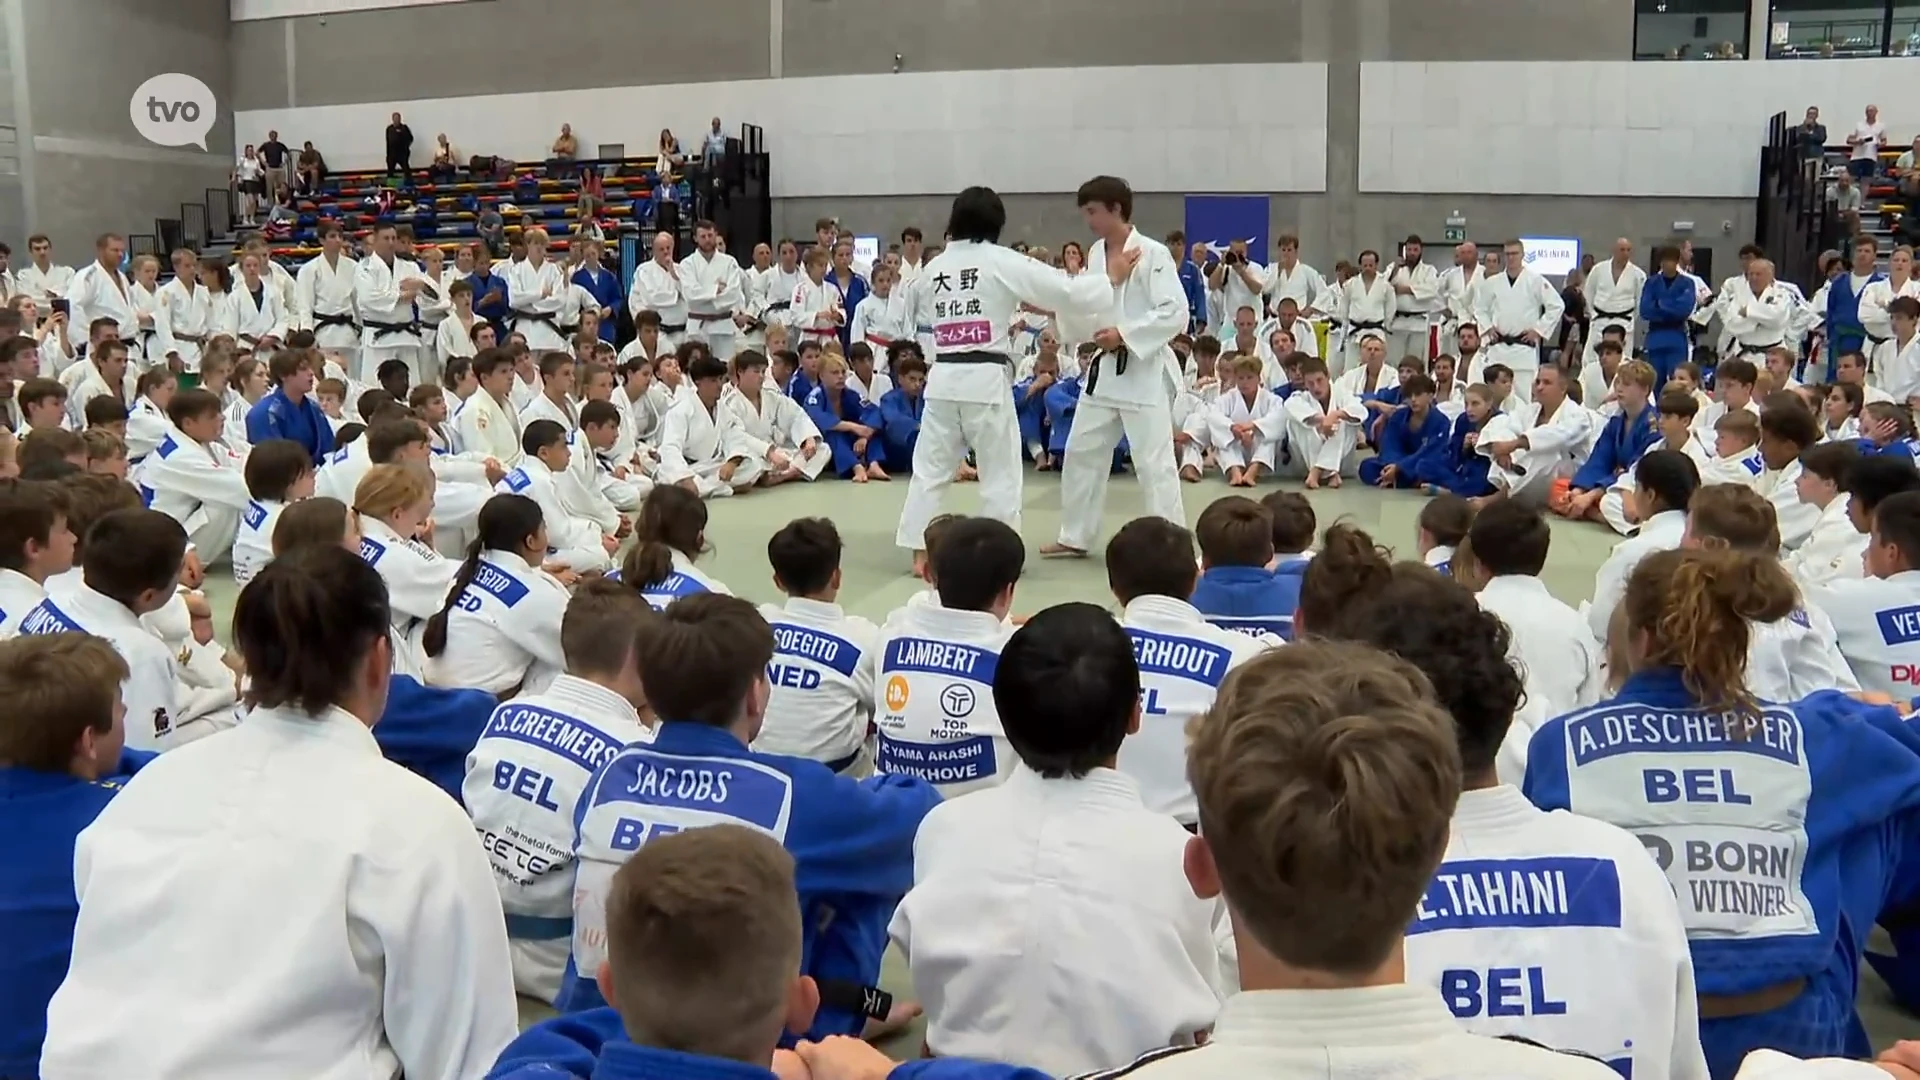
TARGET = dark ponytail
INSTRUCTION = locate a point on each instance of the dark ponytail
(505, 523)
(1695, 608)
(303, 625)
(1348, 565)
(671, 519)
(1670, 475)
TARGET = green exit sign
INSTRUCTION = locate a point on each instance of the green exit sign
(1456, 234)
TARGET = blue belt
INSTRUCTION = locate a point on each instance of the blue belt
(539, 927)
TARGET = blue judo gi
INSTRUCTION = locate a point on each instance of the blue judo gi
(1621, 443)
(497, 312)
(1665, 305)
(1845, 332)
(1777, 842)
(42, 814)
(1404, 445)
(593, 1045)
(841, 442)
(1250, 599)
(1457, 468)
(851, 841)
(605, 287)
(900, 414)
(430, 731)
(276, 416)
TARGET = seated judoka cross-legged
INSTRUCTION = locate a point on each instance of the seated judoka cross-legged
(195, 479)
(576, 543)
(1542, 441)
(702, 447)
(1323, 424)
(704, 663)
(535, 759)
(622, 486)
(1079, 862)
(1247, 425)
(777, 427)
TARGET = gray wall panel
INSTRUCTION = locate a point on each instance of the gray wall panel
(83, 196)
(1510, 30)
(848, 37)
(383, 55)
(86, 58)
(259, 53)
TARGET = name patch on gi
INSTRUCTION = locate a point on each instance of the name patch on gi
(1179, 657)
(571, 738)
(1477, 894)
(255, 516)
(954, 762)
(806, 643)
(940, 658)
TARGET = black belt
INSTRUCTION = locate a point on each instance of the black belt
(1870, 337)
(1120, 357)
(845, 995)
(548, 317)
(1667, 324)
(567, 330)
(673, 328)
(1612, 314)
(382, 329)
(1366, 326)
(979, 356)
(322, 320)
(843, 764)
(780, 305)
(191, 339)
(250, 339)
(1509, 339)
(1754, 350)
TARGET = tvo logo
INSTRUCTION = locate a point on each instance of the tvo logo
(173, 110)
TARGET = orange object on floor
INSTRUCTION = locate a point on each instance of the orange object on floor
(1560, 496)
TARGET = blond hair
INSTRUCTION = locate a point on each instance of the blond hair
(388, 489)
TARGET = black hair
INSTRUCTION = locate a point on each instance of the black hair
(1110, 192)
(1510, 538)
(705, 366)
(1896, 521)
(1669, 474)
(671, 519)
(304, 623)
(348, 432)
(805, 554)
(541, 434)
(456, 367)
(103, 410)
(978, 214)
(272, 467)
(599, 413)
(130, 552)
(188, 404)
(1435, 624)
(1066, 689)
(1831, 461)
(505, 523)
(1150, 556)
(1873, 479)
(978, 559)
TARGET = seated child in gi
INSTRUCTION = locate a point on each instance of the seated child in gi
(1083, 876)
(1677, 413)
(394, 507)
(106, 452)
(1040, 435)
(130, 566)
(498, 629)
(536, 757)
(703, 662)
(779, 429)
(822, 685)
(669, 534)
(1413, 433)
(545, 465)
(1441, 527)
(594, 460)
(64, 761)
(1247, 425)
(36, 543)
(1323, 426)
(1237, 590)
(935, 664)
(1182, 657)
(847, 424)
(195, 479)
(901, 407)
(1628, 433)
(1193, 408)
(702, 447)
(278, 472)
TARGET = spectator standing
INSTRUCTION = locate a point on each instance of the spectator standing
(399, 147)
(715, 146)
(1812, 136)
(249, 178)
(566, 147)
(445, 160)
(274, 155)
(1866, 140)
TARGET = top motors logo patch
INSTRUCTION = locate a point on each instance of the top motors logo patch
(957, 700)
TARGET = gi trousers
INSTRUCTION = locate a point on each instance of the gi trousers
(1097, 430)
(947, 430)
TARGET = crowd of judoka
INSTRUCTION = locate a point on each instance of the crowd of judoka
(524, 627)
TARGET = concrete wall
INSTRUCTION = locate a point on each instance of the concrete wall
(83, 169)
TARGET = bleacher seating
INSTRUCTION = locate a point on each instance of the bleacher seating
(533, 193)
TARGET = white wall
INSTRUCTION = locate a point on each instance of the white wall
(1215, 129)
(1604, 128)
(249, 10)
(1656, 34)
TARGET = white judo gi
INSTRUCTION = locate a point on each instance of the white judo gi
(1556, 445)
(968, 296)
(193, 316)
(1551, 646)
(152, 690)
(503, 633)
(1315, 449)
(822, 683)
(1833, 551)
(656, 288)
(1413, 312)
(714, 292)
(1754, 324)
(325, 303)
(1876, 622)
(778, 422)
(256, 319)
(1613, 299)
(695, 443)
(538, 295)
(1127, 391)
(523, 778)
(933, 682)
(96, 292)
(1266, 412)
(1368, 306)
(203, 486)
(571, 541)
(418, 580)
(1510, 306)
(390, 327)
(1558, 928)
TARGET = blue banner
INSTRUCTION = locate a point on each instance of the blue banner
(1217, 220)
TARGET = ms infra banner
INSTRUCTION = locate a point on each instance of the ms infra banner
(1217, 220)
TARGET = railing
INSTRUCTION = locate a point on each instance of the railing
(1794, 221)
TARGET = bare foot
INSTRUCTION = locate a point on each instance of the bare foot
(967, 474)
(859, 474)
(1190, 474)
(1061, 551)
(1313, 479)
(1333, 480)
(1233, 477)
(875, 472)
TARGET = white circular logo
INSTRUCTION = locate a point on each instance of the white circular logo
(956, 700)
(173, 110)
